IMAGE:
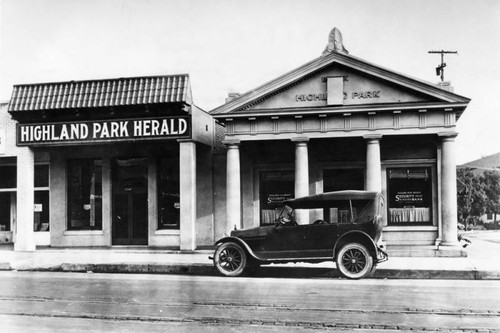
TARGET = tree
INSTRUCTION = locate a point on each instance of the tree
(491, 182)
(471, 198)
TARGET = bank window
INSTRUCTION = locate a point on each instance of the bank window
(410, 196)
(275, 187)
(41, 209)
(85, 194)
(169, 193)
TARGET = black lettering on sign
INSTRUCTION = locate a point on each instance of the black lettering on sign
(365, 94)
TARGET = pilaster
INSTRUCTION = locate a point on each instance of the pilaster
(25, 238)
(187, 161)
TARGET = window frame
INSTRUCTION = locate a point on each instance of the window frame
(42, 189)
(261, 189)
(98, 226)
(159, 225)
(431, 192)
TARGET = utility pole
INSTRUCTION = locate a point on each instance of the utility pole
(440, 68)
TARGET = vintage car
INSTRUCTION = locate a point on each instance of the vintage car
(348, 234)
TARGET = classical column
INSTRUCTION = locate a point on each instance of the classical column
(448, 189)
(301, 176)
(25, 238)
(233, 186)
(373, 180)
(187, 162)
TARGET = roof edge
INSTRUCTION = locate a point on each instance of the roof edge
(345, 60)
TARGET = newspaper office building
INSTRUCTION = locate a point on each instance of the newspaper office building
(108, 156)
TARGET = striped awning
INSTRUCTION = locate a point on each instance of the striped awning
(101, 93)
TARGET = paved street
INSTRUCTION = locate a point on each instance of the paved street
(79, 302)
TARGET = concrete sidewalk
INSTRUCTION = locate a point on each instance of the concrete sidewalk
(482, 263)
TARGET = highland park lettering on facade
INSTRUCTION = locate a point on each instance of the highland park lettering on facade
(323, 96)
(116, 130)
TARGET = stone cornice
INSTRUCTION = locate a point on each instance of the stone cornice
(458, 107)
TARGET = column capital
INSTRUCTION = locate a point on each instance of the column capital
(448, 135)
(300, 139)
(372, 136)
(232, 143)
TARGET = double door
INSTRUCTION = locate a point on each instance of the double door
(130, 201)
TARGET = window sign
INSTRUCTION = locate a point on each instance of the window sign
(410, 196)
(275, 187)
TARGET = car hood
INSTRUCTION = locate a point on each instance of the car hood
(251, 233)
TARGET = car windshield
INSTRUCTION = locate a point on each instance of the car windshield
(345, 211)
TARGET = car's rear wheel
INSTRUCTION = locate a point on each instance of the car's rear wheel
(354, 261)
(230, 259)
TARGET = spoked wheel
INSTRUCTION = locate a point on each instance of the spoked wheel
(354, 261)
(230, 259)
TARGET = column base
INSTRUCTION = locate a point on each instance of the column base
(24, 248)
(450, 250)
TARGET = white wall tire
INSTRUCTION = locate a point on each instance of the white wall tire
(230, 259)
(354, 261)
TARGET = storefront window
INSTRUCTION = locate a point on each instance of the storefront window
(410, 196)
(6, 207)
(41, 214)
(8, 178)
(85, 194)
(8, 181)
(275, 187)
(168, 193)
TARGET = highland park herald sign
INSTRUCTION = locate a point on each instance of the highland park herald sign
(103, 131)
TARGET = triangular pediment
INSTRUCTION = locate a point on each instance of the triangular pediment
(358, 84)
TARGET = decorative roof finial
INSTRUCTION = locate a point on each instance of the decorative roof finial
(334, 43)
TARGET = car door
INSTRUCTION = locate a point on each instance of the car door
(299, 241)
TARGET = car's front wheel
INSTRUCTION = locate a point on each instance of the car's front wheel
(354, 261)
(230, 259)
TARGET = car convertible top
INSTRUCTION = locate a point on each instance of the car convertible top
(325, 200)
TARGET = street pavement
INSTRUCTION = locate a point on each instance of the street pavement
(482, 262)
(78, 303)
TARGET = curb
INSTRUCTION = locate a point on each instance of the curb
(266, 271)
(279, 272)
(192, 269)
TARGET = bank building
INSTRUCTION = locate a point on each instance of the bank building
(134, 162)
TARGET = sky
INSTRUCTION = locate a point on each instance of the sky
(235, 46)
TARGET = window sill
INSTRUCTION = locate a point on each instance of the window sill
(168, 232)
(411, 228)
(83, 233)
